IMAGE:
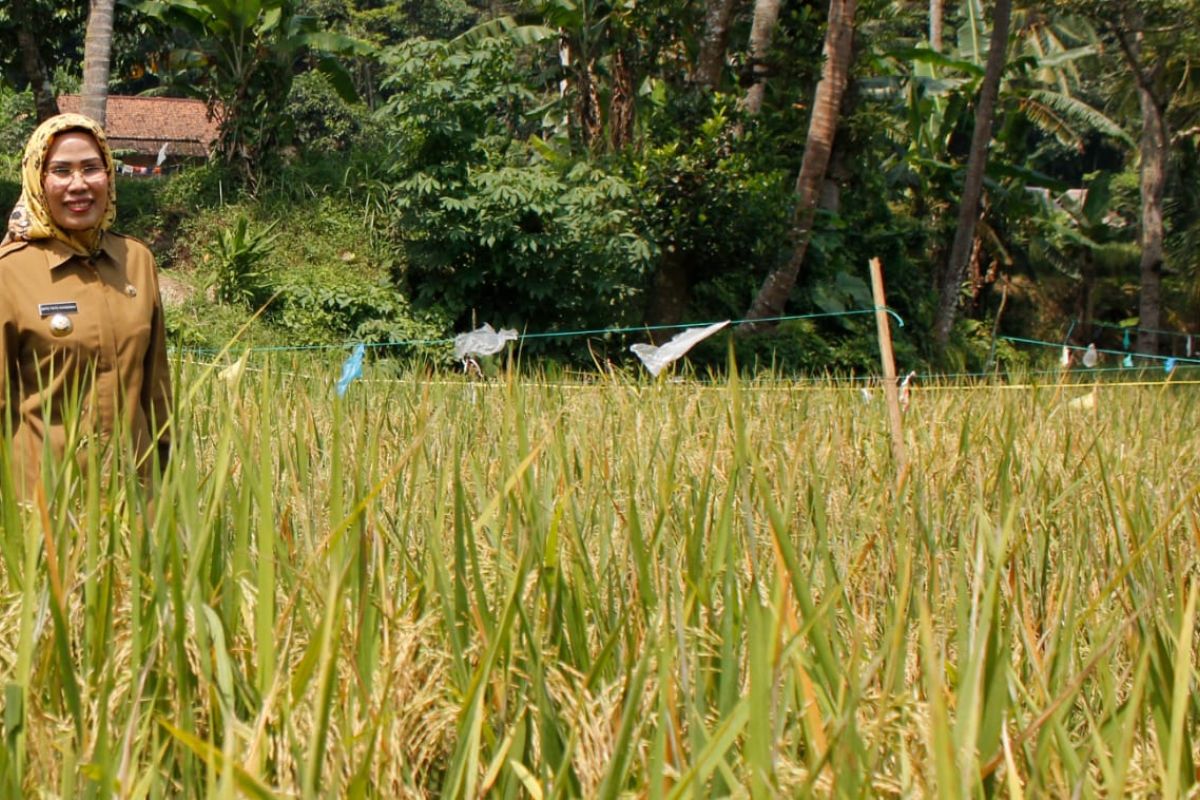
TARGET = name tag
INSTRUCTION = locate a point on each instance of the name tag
(49, 309)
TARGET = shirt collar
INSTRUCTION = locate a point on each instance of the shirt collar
(58, 253)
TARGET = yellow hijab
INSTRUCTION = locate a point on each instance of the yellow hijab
(30, 219)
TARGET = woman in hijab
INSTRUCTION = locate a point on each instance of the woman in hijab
(81, 324)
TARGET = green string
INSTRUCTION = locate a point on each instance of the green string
(1114, 326)
(1057, 345)
(549, 334)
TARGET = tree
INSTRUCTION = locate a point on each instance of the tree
(97, 53)
(496, 225)
(602, 49)
(1156, 40)
(713, 42)
(241, 58)
(32, 63)
(936, 18)
(822, 126)
(1153, 148)
(766, 17)
(964, 234)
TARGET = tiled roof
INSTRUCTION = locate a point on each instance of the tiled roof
(144, 124)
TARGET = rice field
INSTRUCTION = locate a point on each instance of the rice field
(616, 588)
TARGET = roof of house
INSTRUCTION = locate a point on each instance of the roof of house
(145, 124)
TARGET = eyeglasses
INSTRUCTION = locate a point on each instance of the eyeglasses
(92, 173)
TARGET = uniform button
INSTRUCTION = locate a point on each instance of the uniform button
(60, 325)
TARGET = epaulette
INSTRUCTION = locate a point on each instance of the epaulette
(137, 239)
(13, 246)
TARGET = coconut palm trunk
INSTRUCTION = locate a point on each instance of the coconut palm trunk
(822, 126)
(968, 211)
(936, 17)
(97, 52)
(762, 29)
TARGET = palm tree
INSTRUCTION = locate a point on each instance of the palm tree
(97, 52)
(936, 19)
(968, 214)
(822, 126)
(241, 58)
(766, 16)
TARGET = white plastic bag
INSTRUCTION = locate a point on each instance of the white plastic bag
(483, 341)
(657, 359)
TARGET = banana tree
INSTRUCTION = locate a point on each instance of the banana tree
(610, 54)
(240, 56)
(1084, 234)
(933, 93)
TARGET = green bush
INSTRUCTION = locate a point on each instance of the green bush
(314, 313)
(158, 209)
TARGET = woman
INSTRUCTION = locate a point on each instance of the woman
(81, 325)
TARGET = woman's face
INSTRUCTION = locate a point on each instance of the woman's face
(76, 182)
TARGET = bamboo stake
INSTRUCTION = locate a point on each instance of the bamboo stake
(890, 389)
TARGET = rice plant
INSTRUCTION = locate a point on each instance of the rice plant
(443, 587)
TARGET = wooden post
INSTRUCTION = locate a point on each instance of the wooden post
(890, 389)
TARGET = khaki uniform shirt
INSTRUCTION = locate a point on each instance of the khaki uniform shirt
(86, 328)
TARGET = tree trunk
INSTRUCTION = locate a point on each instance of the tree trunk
(32, 64)
(669, 299)
(1154, 148)
(968, 210)
(621, 101)
(1087, 297)
(766, 16)
(936, 17)
(97, 49)
(587, 106)
(713, 43)
(822, 126)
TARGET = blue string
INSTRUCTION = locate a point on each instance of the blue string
(547, 335)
